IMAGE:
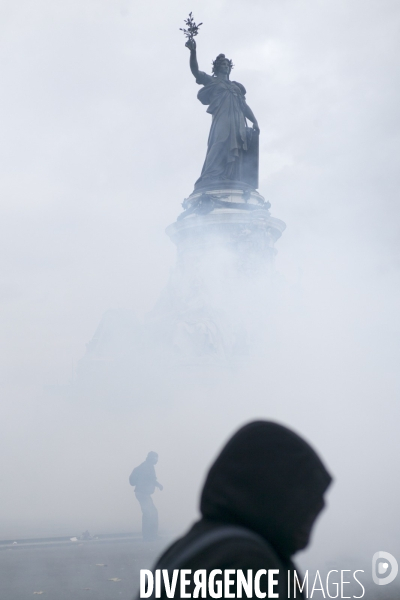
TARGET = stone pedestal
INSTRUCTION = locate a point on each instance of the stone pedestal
(213, 307)
(214, 311)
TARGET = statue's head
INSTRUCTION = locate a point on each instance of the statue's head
(222, 65)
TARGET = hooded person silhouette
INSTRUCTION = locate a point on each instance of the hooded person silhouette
(259, 502)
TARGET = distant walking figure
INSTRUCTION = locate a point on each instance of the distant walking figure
(145, 481)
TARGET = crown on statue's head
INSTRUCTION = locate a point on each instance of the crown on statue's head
(221, 58)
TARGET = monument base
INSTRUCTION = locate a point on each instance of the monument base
(213, 305)
(214, 312)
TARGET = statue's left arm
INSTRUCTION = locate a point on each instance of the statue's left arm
(248, 113)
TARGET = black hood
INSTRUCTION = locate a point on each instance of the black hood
(270, 480)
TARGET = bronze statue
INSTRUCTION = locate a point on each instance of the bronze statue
(232, 151)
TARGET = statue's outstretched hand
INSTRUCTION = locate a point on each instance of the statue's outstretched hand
(191, 44)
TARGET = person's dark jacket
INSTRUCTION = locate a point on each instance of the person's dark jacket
(268, 480)
(144, 478)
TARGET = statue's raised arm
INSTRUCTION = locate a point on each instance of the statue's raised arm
(194, 65)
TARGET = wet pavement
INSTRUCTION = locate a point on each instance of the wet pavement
(104, 569)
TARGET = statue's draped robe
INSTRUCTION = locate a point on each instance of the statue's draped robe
(229, 142)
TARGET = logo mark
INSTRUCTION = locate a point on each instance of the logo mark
(384, 568)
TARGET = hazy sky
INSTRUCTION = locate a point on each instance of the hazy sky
(102, 139)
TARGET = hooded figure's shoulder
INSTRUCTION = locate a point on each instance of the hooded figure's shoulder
(238, 552)
(217, 546)
(209, 545)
